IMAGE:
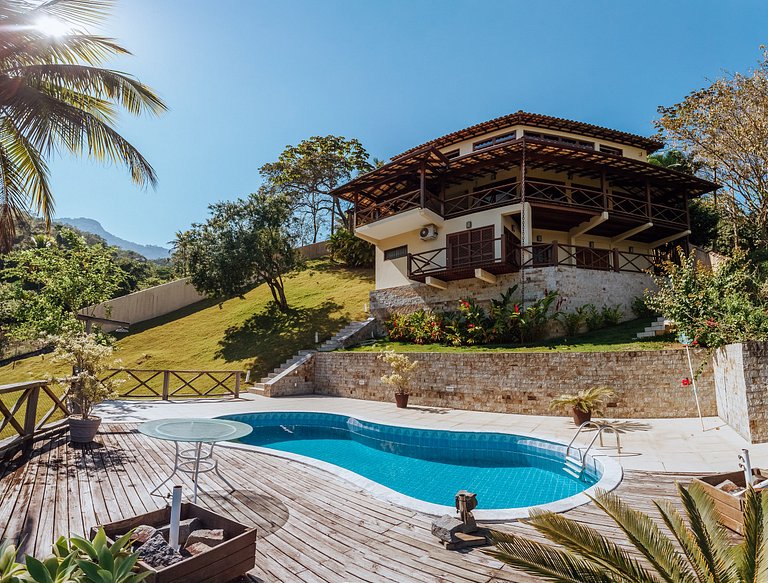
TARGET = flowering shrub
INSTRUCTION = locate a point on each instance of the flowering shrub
(471, 324)
(401, 374)
(420, 327)
(713, 307)
(90, 360)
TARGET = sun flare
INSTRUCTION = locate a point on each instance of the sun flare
(53, 26)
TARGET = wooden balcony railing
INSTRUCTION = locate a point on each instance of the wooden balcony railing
(535, 190)
(399, 204)
(176, 384)
(481, 199)
(29, 410)
(511, 258)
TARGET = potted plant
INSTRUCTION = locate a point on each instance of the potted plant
(401, 376)
(583, 403)
(89, 360)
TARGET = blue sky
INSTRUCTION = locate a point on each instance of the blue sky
(244, 78)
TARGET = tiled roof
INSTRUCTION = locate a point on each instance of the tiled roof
(539, 121)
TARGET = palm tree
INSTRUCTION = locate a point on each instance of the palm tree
(699, 550)
(54, 94)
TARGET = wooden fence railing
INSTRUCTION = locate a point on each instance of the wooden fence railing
(28, 410)
(170, 384)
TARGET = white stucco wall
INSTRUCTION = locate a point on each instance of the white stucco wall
(148, 303)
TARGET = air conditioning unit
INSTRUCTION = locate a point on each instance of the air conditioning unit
(428, 232)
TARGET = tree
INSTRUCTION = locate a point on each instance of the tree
(699, 551)
(350, 250)
(723, 128)
(54, 94)
(44, 288)
(243, 242)
(307, 173)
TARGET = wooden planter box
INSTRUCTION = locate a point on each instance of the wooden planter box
(730, 508)
(223, 563)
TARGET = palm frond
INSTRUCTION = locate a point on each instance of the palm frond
(83, 12)
(125, 91)
(30, 166)
(752, 556)
(546, 562)
(31, 47)
(708, 557)
(586, 542)
(13, 201)
(646, 537)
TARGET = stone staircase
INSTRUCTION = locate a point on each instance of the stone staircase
(339, 340)
(658, 327)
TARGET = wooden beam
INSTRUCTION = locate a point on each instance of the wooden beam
(670, 238)
(485, 276)
(630, 233)
(579, 230)
(434, 282)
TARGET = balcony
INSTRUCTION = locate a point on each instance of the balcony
(544, 193)
(498, 256)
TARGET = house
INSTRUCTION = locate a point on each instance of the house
(527, 199)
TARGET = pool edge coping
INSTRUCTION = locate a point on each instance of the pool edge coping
(612, 475)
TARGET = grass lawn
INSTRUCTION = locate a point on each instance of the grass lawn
(614, 338)
(241, 334)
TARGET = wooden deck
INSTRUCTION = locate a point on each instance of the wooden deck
(312, 526)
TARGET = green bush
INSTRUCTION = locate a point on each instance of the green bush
(713, 307)
(471, 324)
(611, 315)
(593, 317)
(641, 310)
(350, 250)
(573, 322)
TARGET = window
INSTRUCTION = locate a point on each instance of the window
(396, 253)
(494, 141)
(452, 154)
(573, 142)
(611, 150)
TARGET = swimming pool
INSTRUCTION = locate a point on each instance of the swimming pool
(424, 468)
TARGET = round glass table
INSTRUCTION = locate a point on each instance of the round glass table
(199, 431)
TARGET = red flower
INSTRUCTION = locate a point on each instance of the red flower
(517, 309)
(470, 325)
(686, 382)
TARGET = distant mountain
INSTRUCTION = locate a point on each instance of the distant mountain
(92, 226)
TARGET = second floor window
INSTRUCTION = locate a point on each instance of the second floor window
(494, 141)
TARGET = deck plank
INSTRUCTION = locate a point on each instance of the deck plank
(313, 527)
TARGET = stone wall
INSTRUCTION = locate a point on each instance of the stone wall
(647, 383)
(575, 286)
(741, 385)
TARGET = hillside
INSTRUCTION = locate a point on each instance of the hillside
(94, 227)
(241, 333)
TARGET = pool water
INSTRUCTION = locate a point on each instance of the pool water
(505, 470)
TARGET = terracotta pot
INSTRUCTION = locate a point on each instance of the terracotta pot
(401, 400)
(83, 430)
(580, 416)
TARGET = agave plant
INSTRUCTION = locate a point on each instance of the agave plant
(699, 550)
(54, 94)
(10, 570)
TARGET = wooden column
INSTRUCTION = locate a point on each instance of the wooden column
(354, 215)
(648, 207)
(604, 190)
(423, 184)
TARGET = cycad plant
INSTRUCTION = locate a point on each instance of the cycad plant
(54, 94)
(699, 549)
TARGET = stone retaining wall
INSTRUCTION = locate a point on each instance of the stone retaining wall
(741, 382)
(647, 383)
